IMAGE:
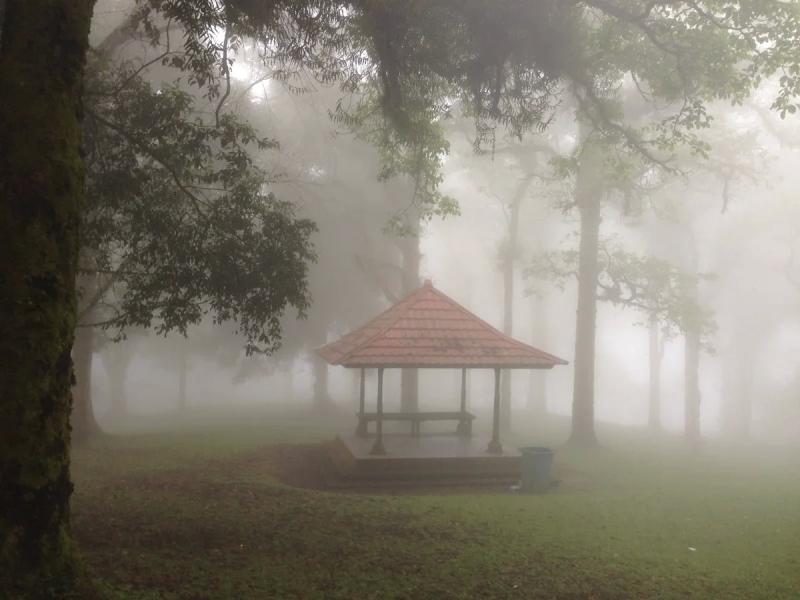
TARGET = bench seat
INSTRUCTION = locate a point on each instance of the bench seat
(416, 418)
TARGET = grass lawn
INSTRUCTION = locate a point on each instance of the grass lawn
(193, 510)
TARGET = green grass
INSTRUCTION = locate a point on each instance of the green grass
(191, 509)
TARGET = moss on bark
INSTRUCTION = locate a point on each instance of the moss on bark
(41, 180)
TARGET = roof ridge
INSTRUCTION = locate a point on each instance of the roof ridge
(419, 311)
(507, 337)
(395, 307)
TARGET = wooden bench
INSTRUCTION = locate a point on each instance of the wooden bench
(416, 418)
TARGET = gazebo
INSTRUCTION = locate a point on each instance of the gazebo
(429, 330)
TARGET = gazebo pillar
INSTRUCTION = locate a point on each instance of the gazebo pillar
(377, 447)
(464, 390)
(464, 426)
(361, 431)
(494, 445)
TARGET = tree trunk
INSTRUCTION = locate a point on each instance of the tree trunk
(84, 424)
(322, 399)
(409, 378)
(41, 182)
(509, 260)
(587, 196)
(116, 359)
(654, 355)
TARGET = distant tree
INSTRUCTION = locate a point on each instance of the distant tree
(663, 294)
(178, 223)
(507, 60)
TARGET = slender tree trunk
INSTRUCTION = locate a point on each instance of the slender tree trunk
(588, 200)
(84, 424)
(509, 260)
(654, 355)
(42, 49)
(409, 378)
(117, 359)
(322, 399)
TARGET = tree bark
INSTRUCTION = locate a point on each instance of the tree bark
(41, 183)
(654, 396)
(587, 190)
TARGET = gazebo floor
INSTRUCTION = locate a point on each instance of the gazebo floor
(427, 459)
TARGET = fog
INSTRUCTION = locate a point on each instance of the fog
(733, 214)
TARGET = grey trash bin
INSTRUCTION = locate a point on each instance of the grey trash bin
(537, 464)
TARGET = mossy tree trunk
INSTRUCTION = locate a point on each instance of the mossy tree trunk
(587, 198)
(42, 51)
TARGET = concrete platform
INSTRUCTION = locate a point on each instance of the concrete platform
(427, 459)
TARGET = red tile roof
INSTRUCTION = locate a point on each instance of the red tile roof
(429, 329)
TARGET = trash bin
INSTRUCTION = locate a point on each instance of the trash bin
(537, 463)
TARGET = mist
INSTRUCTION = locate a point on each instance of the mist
(400, 300)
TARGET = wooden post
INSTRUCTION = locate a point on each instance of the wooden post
(494, 445)
(361, 431)
(377, 447)
(464, 425)
(463, 390)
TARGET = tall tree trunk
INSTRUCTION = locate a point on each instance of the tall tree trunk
(509, 260)
(587, 196)
(654, 397)
(409, 378)
(42, 49)
(84, 424)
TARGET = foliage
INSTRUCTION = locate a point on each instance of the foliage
(506, 64)
(646, 284)
(178, 222)
(416, 153)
